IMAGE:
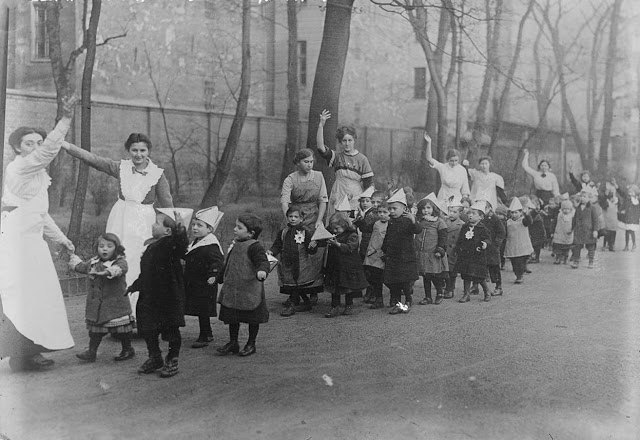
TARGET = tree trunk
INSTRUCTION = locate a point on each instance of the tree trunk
(612, 55)
(328, 78)
(63, 79)
(293, 108)
(91, 32)
(212, 195)
(504, 95)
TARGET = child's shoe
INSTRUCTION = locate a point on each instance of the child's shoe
(465, 298)
(248, 350)
(229, 348)
(125, 354)
(557, 261)
(335, 311)
(313, 299)
(448, 294)
(439, 299)
(395, 310)
(170, 367)
(150, 365)
(487, 296)
(289, 310)
(633, 248)
(518, 280)
(497, 292)
(348, 310)
(475, 290)
(425, 301)
(527, 270)
(87, 356)
(590, 266)
(378, 304)
(574, 264)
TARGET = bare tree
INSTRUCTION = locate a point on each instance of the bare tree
(612, 56)
(89, 45)
(330, 69)
(293, 108)
(223, 169)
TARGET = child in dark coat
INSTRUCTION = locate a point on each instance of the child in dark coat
(537, 233)
(373, 262)
(585, 230)
(344, 272)
(107, 309)
(364, 221)
(401, 268)
(430, 245)
(160, 308)
(454, 225)
(471, 248)
(203, 263)
(497, 233)
(298, 274)
(242, 297)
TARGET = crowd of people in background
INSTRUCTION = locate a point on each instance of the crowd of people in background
(352, 242)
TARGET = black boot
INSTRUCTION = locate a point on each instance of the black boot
(90, 354)
(127, 351)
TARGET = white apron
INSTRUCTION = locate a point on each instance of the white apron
(131, 220)
(29, 286)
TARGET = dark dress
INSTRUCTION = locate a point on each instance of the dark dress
(203, 260)
(344, 272)
(161, 285)
(537, 232)
(497, 234)
(256, 258)
(585, 221)
(401, 263)
(472, 259)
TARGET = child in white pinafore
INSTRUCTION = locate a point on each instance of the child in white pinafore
(518, 246)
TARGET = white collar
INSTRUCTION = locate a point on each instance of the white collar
(204, 241)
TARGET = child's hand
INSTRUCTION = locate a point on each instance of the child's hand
(595, 234)
(482, 246)
(261, 275)
(465, 163)
(101, 273)
(333, 242)
(313, 244)
(211, 281)
(410, 216)
(427, 137)
(68, 245)
(324, 116)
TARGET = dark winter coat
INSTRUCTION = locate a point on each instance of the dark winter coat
(106, 298)
(497, 234)
(453, 231)
(401, 265)
(472, 259)
(344, 271)
(203, 260)
(161, 285)
(628, 213)
(585, 222)
(537, 233)
(365, 226)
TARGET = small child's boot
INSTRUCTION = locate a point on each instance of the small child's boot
(466, 297)
(127, 350)
(170, 367)
(152, 364)
(91, 353)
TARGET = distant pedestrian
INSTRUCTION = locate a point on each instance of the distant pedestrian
(107, 308)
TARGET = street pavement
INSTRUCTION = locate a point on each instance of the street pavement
(557, 357)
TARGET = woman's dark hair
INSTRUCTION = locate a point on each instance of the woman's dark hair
(487, 158)
(302, 154)
(113, 238)
(15, 138)
(135, 138)
(452, 153)
(252, 222)
(344, 130)
(544, 161)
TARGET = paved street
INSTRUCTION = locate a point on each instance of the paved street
(556, 358)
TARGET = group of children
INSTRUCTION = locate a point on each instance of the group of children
(390, 241)
(177, 278)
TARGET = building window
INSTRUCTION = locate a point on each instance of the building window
(302, 62)
(40, 37)
(420, 83)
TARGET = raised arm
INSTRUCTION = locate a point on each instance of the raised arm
(525, 164)
(106, 165)
(429, 154)
(324, 116)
